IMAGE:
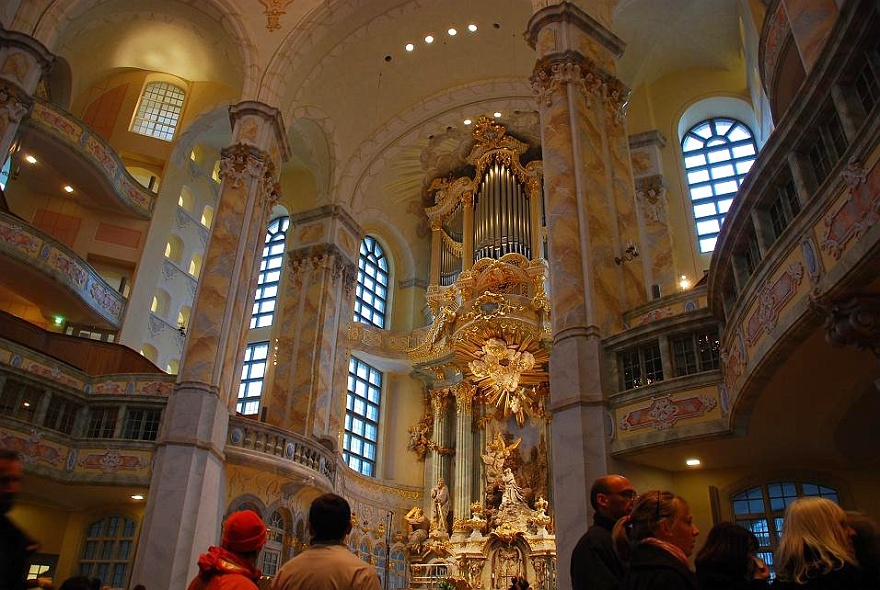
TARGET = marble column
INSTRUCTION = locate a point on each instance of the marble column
(315, 307)
(188, 487)
(591, 219)
(464, 456)
(23, 62)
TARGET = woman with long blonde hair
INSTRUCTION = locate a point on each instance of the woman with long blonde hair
(816, 548)
(656, 539)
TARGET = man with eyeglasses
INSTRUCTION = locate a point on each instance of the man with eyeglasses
(594, 564)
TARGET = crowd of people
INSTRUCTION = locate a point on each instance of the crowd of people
(644, 542)
(637, 542)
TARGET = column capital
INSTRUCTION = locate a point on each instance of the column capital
(564, 27)
(852, 322)
(23, 59)
(261, 126)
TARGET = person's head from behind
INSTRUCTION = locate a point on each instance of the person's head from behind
(612, 496)
(816, 539)
(729, 551)
(658, 514)
(329, 519)
(244, 533)
(866, 541)
(76, 583)
(11, 472)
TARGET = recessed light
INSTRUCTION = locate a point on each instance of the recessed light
(684, 282)
(409, 47)
(472, 28)
(692, 462)
(429, 39)
(30, 159)
(496, 114)
(68, 188)
(452, 32)
(467, 121)
(137, 497)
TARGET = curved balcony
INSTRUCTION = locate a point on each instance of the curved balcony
(52, 276)
(249, 441)
(97, 170)
(802, 240)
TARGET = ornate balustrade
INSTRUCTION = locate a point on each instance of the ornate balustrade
(77, 137)
(280, 445)
(804, 225)
(31, 247)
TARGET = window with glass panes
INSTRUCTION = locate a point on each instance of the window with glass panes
(159, 110)
(274, 544)
(362, 403)
(19, 400)
(108, 549)
(102, 422)
(784, 208)
(141, 423)
(761, 509)
(253, 371)
(718, 153)
(61, 414)
(641, 366)
(372, 284)
(270, 273)
(695, 352)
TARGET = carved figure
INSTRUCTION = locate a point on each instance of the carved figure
(420, 437)
(440, 499)
(497, 452)
(513, 494)
(419, 527)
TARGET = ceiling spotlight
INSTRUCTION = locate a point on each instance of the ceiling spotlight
(429, 39)
(30, 159)
(467, 121)
(496, 114)
(472, 28)
(452, 32)
(692, 462)
(68, 188)
(409, 47)
(137, 497)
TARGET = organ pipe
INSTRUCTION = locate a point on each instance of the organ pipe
(502, 215)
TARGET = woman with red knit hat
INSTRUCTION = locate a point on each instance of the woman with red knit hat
(232, 565)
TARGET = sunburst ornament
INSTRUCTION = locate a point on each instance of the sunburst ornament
(498, 371)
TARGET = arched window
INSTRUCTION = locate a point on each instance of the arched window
(183, 316)
(270, 273)
(186, 200)
(207, 216)
(159, 110)
(372, 284)
(718, 153)
(398, 569)
(174, 249)
(108, 549)
(253, 371)
(761, 510)
(149, 351)
(360, 440)
(195, 265)
(274, 543)
(161, 301)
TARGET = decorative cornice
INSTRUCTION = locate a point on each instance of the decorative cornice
(311, 258)
(647, 138)
(241, 162)
(329, 211)
(552, 74)
(568, 13)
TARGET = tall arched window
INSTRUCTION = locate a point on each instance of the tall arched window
(253, 372)
(718, 153)
(159, 110)
(372, 284)
(108, 549)
(272, 556)
(360, 440)
(761, 510)
(270, 273)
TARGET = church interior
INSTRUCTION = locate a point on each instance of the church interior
(452, 260)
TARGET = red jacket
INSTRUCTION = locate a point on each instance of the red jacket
(220, 569)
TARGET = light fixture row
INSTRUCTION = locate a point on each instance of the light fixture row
(496, 114)
(451, 31)
(30, 159)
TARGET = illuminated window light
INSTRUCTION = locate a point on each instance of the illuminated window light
(137, 497)
(496, 114)
(58, 320)
(68, 188)
(452, 32)
(684, 283)
(30, 159)
(692, 462)
(429, 39)
(409, 47)
(467, 121)
(472, 28)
